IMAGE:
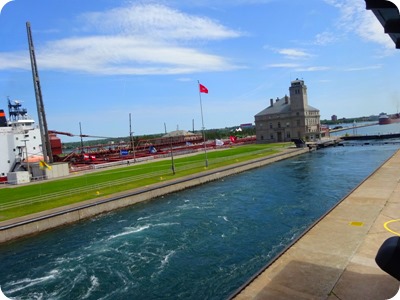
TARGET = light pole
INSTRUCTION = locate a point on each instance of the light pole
(26, 155)
(131, 138)
(172, 157)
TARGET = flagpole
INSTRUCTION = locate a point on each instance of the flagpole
(172, 154)
(202, 124)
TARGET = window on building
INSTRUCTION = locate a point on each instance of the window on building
(262, 137)
(288, 135)
(272, 136)
(279, 124)
(270, 125)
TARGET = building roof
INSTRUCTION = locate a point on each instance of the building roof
(387, 14)
(280, 107)
(178, 133)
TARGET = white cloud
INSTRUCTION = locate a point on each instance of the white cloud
(283, 65)
(157, 21)
(355, 69)
(325, 38)
(313, 69)
(121, 55)
(298, 67)
(355, 18)
(17, 60)
(293, 53)
(135, 40)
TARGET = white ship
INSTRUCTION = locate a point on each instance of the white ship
(20, 140)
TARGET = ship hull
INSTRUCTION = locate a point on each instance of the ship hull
(386, 121)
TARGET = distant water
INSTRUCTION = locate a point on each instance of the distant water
(201, 243)
(368, 130)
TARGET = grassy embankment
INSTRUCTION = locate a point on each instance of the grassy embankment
(24, 200)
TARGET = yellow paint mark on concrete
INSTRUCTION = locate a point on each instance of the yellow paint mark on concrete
(390, 230)
(355, 223)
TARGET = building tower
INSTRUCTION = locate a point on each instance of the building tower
(298, 96)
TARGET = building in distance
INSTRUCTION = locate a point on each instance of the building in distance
(289, 118)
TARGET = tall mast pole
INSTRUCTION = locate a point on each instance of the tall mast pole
(46, 147)
(80, 134)
(203, 128)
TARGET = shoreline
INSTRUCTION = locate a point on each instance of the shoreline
(43, 221)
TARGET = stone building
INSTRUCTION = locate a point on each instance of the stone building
(289, 118)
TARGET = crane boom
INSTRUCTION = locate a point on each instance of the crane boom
(80, 135)
(46, 147)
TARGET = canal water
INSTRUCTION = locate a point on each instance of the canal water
(352, 129)
(201, 243)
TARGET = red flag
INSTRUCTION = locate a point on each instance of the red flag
(203, 89)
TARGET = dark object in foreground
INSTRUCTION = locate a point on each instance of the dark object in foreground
(388, 256)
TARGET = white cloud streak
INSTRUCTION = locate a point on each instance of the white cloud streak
(157, 21)
(365, 68)
(283, 65)
(293, 53)
(134, 40)
(355, 18)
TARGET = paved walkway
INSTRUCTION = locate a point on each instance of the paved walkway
(336, 258)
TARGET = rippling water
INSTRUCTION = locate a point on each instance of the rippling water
(201, 243)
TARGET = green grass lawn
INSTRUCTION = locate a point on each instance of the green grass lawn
(19, 201)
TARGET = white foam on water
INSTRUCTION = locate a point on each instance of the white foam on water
(140, 228)
(22, 284)
(94, 283)
(166, 224)
(167, 257)
(164, 263)
(130, 231)
(224, 217)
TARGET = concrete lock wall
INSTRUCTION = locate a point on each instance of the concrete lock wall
(13, 229)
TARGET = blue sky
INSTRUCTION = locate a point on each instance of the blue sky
(100, 60)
